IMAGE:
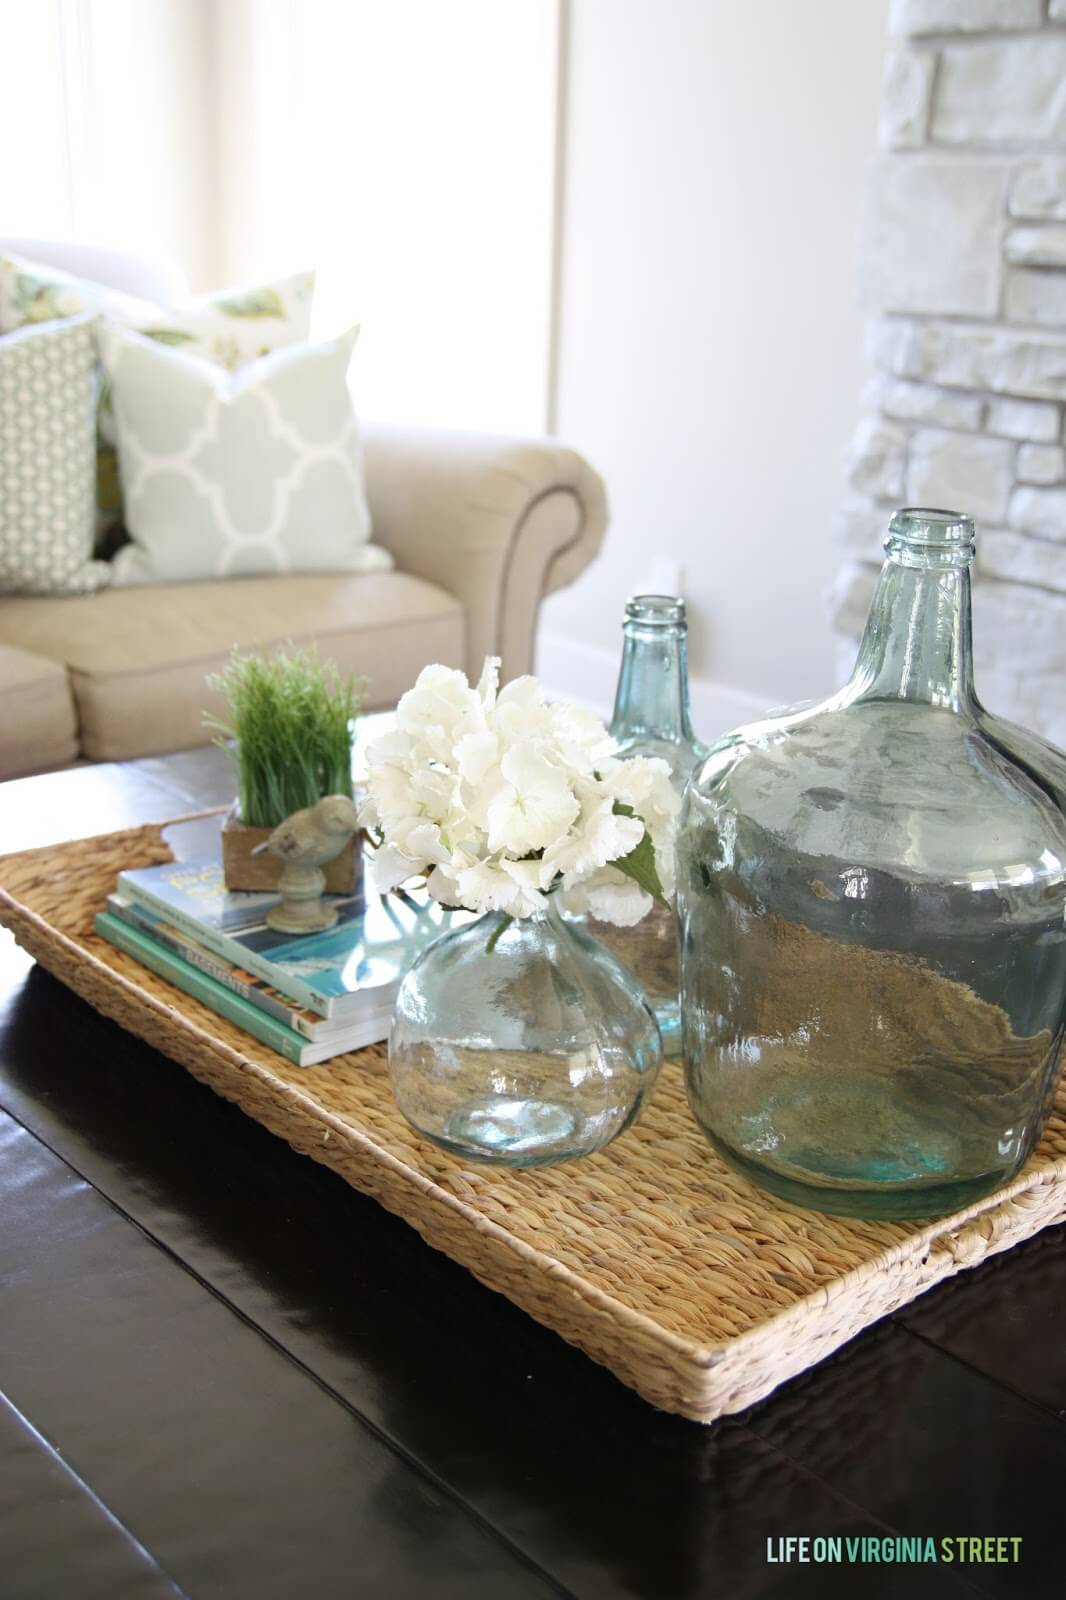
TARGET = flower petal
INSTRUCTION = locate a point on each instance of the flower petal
(387, 867)
(489, 682)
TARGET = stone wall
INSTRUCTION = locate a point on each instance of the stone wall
(965, 274)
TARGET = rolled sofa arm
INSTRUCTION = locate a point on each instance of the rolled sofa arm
(498, 522)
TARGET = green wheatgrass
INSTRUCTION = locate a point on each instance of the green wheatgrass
(288, 725)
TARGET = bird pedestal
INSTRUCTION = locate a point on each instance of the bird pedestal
(302, 908)
(260, 874)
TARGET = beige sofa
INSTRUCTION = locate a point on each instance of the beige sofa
(481, 527)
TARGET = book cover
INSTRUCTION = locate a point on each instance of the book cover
(339, 973)
(242, 982)
(167, 964)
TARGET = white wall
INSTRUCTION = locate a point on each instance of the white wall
(710, 342)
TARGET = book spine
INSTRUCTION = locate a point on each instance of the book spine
(167, 964)
(371, 1031)
(225, 947)
(223, 972)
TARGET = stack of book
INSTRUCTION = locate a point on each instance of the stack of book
(310, 996)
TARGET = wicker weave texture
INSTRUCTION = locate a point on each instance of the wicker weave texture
(657, 1260)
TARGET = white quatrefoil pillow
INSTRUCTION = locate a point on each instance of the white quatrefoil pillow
(232, 474)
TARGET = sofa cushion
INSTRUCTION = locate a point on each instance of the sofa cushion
(138, 657)
(39, 726)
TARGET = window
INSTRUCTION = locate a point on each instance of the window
(408, 149)
(404, 147)
(37, 103)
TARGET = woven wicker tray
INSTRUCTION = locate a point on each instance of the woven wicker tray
(654, 1258)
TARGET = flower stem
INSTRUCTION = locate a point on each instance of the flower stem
(501, 927)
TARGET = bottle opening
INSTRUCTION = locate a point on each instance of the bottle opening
(930, 528)
(656, 610)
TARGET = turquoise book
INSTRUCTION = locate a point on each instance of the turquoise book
(167, 964)
(351, 968)
(257, 990)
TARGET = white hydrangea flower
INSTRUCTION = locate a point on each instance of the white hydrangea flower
(609, 896)
(581, 737)
(499, 799)
(476, 755)
(489, 682)
(643, 782)
(502, 885)
(533, 807)
(388, 867)
(601, 834)
(420, 840)
(439, 710)
(444, 887)
(521, 714)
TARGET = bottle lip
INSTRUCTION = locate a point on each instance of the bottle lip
(931, 528)
(656, 610)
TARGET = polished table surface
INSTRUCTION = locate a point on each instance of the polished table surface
(223, 1373)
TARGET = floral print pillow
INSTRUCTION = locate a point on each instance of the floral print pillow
(229, 327)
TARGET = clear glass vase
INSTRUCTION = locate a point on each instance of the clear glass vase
(521, 1042)
(871, 899)
(652, 718)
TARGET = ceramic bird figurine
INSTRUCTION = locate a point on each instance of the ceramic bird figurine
(304, 843)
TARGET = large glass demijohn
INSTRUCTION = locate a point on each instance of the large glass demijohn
(871, 899)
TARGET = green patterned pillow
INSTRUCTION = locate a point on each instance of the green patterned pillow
(226, 475)
(47, 453)
(230, 326)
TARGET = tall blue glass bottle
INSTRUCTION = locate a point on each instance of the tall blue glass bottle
(652, 718)
(651, 704)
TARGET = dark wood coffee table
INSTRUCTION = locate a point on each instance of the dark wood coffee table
(223, 1373)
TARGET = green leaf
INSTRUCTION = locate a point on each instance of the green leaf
(639, 864)
(39, 301)
(168, 335)
(27, 290)
(256, 303)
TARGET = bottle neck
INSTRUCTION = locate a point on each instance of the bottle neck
(918, 642)
(651, 701)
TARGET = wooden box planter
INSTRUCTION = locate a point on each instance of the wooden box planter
(243, 870)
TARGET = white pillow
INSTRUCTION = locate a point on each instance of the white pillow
(226, 475)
